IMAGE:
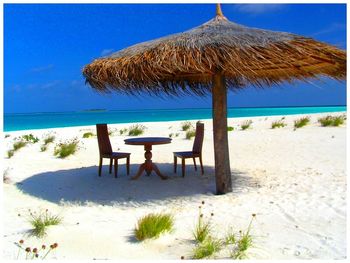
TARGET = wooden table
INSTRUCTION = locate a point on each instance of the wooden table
(148, 165)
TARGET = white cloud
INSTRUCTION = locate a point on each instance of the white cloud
(255, 9)
(335, 27)
(43, 68)
(106, 52)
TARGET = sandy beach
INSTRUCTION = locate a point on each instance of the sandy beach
(293, 180)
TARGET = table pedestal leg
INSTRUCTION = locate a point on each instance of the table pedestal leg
(148, 166)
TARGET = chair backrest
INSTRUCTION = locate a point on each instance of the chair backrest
(104, 144)
(198, 140)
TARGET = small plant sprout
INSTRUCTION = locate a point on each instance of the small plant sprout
(43, 148)
(152, 225)
(246, 124)
(136, 129)
(40, 221)
(301, 122)
(230, 128)
(334, 121)
(34, 253)
(62, 150)
(186, 125)
(88, 135)
(278, 124)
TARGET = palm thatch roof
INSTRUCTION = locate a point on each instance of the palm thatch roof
(186, 62)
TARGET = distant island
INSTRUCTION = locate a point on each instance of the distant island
(94, 110)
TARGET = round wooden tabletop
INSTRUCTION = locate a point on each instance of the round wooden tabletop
(148, 140)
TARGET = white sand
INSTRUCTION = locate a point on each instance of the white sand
(295, 181)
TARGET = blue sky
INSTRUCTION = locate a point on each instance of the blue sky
(47, 45)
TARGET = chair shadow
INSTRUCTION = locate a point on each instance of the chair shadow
(83, 186)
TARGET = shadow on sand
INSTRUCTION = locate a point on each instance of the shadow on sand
(82, 185)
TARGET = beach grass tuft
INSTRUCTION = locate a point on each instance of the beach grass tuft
(49, 139)
(62, 150)
(43, 148)
(152, 225)
(186, 125)
(136, 129)
(334, 121)
(190, 134)
(243, 243)
(123, 131)
(88, 135)
(202, 230)
(41, 221)
(278, 124)
(246, 124)
(18, 145)
(10, 153)
(207, 249)
(301, 122)
(230, 128)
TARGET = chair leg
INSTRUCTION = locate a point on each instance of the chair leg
(128, 165)
(115, 168)
(200, 160)
(110, 165)
(183, 167)
(175, 163)
(195, 165)
(100, 167)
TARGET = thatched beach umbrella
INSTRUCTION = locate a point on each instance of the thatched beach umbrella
(212, 58)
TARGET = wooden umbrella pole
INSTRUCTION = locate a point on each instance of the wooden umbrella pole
(221, 150)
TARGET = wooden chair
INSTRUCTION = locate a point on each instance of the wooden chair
(106, 151)
(196, 150)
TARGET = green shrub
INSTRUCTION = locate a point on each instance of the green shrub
(136, 129)
(41, 221)
(190, 134)
(88, 135)
(63, 150)
(152, 225)
(30, 138)
(18, 145)
(7, 135)
(10, 153)
(331, 121)
(230, 128)
(278, 124)
(246, 124)
(301, 122)
(186, 125)
(207, 249)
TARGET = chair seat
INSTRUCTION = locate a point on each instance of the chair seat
(116, 155)
(188, 154)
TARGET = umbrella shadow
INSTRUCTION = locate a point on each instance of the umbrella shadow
(83, 186)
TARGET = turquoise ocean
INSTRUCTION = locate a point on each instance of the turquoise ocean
(28, 121)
